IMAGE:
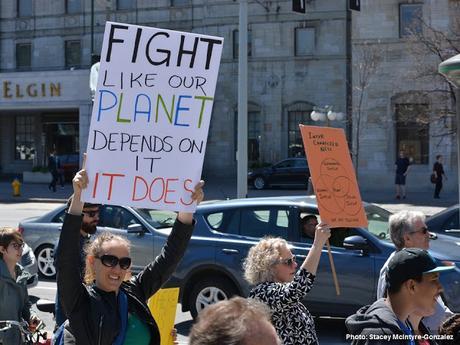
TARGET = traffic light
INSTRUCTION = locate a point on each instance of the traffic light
(298, 6)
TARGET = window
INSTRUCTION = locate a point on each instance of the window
(23, 56)
(116, 217)
(236, 44)
(25, 8)
(451, 222)
(410, 16)
(259, 222)
(59, 218)
(285, 164)
(72, 54)
(73, 6)
(412, 132)
(254, 135)
(180, 2)
(125, 4)
(295, 145)
(24, 138)
(224, 221)
(304, 41)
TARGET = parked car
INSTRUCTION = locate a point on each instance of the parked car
(288, 172)
(225, 230)
(445, 222)
(211, 269)
(42, 233)
(29, 263)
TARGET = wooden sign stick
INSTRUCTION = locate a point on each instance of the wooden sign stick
(334, 274)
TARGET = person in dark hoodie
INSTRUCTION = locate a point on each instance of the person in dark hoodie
(108, 310)
(413, 286)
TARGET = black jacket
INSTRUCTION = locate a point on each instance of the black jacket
(374, 324)
(377, 324)
(93, 313)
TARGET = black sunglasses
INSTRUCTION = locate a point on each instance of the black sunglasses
(288, 262)
(424, 231)
(112, 261)
(91, 213)
(17, 245)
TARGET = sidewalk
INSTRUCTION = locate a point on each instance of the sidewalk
(225, 188)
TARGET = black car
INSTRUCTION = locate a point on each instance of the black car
(445, 222)
(288, 172)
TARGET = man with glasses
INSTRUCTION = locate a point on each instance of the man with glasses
(88, 228)
(412, 287)
(408, 230)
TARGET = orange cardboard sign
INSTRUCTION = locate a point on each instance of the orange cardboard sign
(333, 177)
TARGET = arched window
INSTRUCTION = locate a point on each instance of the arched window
(298, 113)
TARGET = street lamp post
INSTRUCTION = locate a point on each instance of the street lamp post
(450, 68)
(326, 113)
(242, 151)
(92, 30)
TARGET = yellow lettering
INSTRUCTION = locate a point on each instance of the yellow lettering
(43, 89)
(6, 89)
(55, 89)
(32, 90)
(18, 92)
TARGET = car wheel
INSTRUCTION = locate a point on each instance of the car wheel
(209, 291)
(259, 183)
(45, 261)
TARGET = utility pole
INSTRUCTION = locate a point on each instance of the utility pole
(92, 31)
(242, 151)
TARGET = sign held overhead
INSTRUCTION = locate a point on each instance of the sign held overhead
(151, 114)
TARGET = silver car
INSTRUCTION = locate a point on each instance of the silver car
(29, 263)
(138, 225)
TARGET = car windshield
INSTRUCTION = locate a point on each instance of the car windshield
(158, 219)
(378, 221)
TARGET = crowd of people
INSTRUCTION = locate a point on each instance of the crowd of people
(100, 302)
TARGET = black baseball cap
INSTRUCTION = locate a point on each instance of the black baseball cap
(410, 263)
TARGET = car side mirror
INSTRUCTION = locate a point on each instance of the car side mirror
(356, 243)
(135, 229)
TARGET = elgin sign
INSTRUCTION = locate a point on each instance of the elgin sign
(11, 90)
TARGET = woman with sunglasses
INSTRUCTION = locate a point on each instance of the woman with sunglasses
(107, 309)
(14, 300)
(272, 269)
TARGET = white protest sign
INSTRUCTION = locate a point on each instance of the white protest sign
(151, 115)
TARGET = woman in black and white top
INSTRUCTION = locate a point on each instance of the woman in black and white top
(272, 269)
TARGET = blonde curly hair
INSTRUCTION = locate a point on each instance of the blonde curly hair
(258, 265)
(95, 249)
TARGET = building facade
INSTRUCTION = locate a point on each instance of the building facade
(405, 104)
(295, 63)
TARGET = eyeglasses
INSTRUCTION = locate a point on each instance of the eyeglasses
(91, 214)
(112, 261)
(17, 245)
(424, 231)
(287, 262)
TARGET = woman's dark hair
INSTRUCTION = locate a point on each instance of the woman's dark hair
(8, 235)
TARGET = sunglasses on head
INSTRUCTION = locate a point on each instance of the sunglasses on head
(91, 213)
(17, 245)
(112, 261)
(288, 262)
